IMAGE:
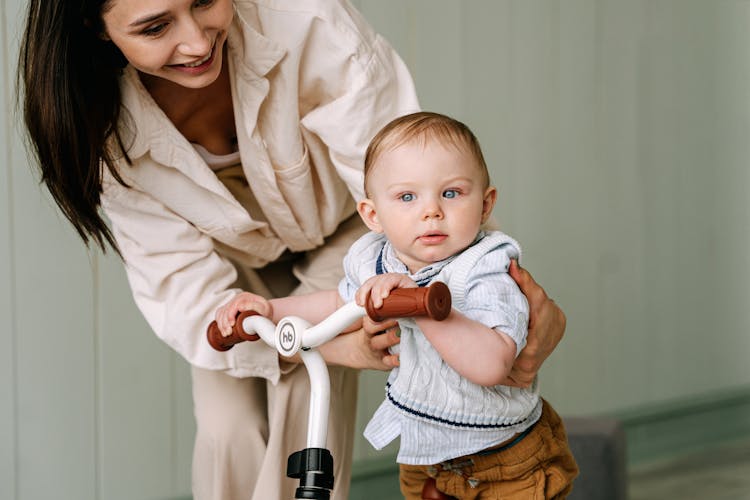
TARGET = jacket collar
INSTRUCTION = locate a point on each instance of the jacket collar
(253, 51)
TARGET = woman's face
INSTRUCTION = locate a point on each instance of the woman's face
(177, 40)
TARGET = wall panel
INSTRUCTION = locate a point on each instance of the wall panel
(435, 59)
(135, 394)
(8, 400)
(731, 122)
(55, 353)
(486, 61)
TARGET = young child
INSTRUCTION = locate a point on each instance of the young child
(428, 194)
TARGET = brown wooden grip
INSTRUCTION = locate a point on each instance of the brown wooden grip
(433, 301)
(222, 343)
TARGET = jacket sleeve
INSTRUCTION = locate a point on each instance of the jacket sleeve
(178, 281)
(365, 84)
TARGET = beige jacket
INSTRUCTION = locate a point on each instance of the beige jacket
(311, 84)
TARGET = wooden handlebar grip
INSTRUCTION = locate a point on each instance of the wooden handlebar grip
(222, 343)
(433, 301)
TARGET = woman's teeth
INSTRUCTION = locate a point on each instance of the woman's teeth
(198, 63)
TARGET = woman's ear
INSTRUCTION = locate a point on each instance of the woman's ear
(488, 203)
(366, 209)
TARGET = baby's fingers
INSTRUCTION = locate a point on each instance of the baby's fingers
(223, 322)
(382, 289)
(363, 293)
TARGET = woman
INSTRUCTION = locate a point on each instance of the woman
(224, 140)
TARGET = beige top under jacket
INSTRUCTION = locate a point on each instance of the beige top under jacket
(311, 84)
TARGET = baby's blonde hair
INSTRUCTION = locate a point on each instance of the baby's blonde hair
(424, 126)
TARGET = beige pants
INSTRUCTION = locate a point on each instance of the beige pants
(246, 428)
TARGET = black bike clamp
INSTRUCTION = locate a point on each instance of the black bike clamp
(314, 469)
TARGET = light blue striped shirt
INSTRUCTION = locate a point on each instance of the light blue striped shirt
(438, 414)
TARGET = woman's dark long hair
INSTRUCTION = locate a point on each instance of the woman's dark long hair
(68, 78)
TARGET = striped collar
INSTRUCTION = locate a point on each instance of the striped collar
(388, 262)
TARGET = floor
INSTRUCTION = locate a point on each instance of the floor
(722, 473)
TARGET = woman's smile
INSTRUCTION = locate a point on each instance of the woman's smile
(199, 66)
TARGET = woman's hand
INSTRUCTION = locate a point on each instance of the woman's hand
(382, 336)
(365, 348)
(546, 329)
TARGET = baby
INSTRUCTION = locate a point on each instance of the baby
(428, 194)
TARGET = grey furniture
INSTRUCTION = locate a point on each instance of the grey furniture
(598, 444)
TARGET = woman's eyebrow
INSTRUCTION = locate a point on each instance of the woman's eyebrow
(147, 19)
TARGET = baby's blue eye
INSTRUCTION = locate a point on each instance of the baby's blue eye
(450, 193)
(407, 197)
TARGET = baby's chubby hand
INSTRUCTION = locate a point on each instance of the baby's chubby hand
(380, 286)
(226, 315)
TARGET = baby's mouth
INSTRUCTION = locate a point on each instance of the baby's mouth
(433, 236)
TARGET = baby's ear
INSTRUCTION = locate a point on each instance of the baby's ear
(490, 197)
(366, 209)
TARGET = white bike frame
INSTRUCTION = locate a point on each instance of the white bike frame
(294, 335)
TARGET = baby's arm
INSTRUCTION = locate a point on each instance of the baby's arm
(477, 352)
(313, 307)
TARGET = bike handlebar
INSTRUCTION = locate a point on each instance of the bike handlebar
(433, 301)
(222, 343)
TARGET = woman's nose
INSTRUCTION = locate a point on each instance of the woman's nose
(194, 39)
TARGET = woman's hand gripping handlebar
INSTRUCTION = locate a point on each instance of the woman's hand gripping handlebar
(433, 301)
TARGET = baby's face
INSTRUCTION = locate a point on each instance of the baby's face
(429, 200)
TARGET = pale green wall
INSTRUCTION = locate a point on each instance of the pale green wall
(617, 132)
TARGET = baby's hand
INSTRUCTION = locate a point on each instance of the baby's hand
(226, 315)
(380, 286)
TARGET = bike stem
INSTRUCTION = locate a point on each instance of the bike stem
(313, 466)
(320, 397)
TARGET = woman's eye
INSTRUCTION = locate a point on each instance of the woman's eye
(155, 30)
(203, 3)
(450, 193)
(406, 197)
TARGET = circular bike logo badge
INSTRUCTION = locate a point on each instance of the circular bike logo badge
(287, 337)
